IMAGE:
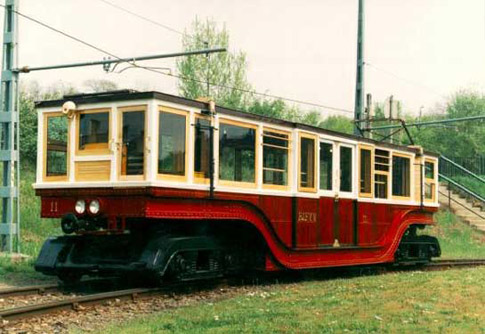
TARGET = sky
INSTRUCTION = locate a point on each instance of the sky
(419, 51)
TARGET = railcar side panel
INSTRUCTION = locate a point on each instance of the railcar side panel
(326, 214)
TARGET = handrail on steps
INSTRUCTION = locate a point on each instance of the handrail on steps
(464, 189)
(462, 169)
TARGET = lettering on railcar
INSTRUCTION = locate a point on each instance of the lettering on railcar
(309, 217)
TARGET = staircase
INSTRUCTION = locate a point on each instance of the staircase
(463, 192)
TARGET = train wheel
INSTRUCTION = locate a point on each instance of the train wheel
(178, 267)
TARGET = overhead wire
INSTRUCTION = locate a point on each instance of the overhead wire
(67, 35)
(164, 26)
(410, 82)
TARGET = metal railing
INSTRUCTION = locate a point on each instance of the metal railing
(462, 181)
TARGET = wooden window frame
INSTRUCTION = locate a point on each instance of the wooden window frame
(315, 161)
(289, 159)
(386, 173)
(432, 181)
(411, 164)
(57, 178)
(186, 114)
(121, 111)
(102, 150)
(371, 149)
(239, 184)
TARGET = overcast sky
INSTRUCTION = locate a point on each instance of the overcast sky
(421, 51)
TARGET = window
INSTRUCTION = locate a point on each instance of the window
(237, 155)
(429, 182)
(56, 147)
(201, 148)
(401, 176)
(307, 164)
(429, 170)
(381, 173)
(345, 169)
(365, 187)
(132, 143)
(171, 143)
(93, 131)
(326, 163)
(275, 158)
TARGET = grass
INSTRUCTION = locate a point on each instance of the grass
(412, 302)
(457, 240)
(34, 231)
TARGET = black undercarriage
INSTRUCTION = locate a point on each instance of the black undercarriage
(172, 251)
(178, 251)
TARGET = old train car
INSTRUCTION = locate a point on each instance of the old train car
(150, 183)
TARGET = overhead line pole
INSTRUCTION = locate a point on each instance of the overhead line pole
(359, 85)
(9, 157)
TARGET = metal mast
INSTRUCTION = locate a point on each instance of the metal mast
(359, 86)
(9, 116)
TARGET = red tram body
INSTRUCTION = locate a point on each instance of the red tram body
(284, 196)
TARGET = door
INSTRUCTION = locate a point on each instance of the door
(132, 144)
(337, 206)
(345, 203)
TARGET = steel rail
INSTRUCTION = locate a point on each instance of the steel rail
(74, 303)
(29, 290)
(54, 287)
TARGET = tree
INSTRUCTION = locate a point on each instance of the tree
(100, 85)
(338, 123)
(461, 139)
(227, 70)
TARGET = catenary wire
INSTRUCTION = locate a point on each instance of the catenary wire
(164, 26)
(410, 82)
(175, 75)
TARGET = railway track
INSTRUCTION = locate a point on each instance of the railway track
(77, 302)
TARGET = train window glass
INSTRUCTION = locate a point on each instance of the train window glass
(345, 169)
(171, 143)
(56, 150)
(275, 158)
(380, 190)
(93, 131)
(429, 170)
(365, 171)
(307, 163)
(201, 148)
(133, 143)
(401, 176)
(381, 173)
(429, 183)
(237, 153)
(326, 163)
